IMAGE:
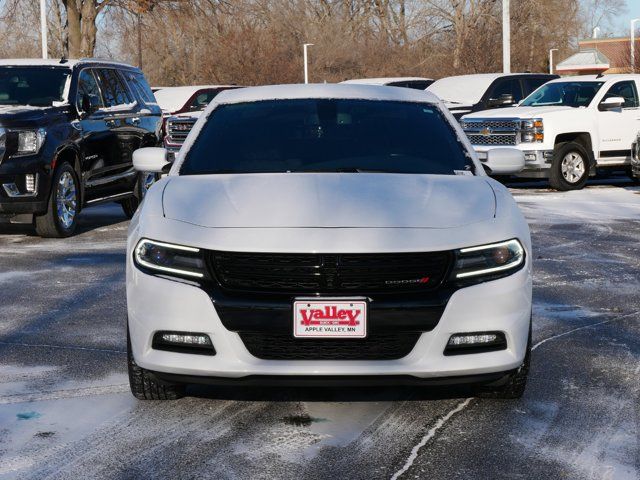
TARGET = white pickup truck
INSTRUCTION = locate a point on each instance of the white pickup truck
(565, 128)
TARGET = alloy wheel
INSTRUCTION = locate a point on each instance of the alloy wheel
(572, 167)
(66, 200)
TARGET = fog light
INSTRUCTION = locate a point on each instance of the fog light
(477, 342)
(183, 342)
(30, 182)
(529, 157)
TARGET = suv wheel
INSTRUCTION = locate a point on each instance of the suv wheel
(145, 386)
(145, 182)
(570, 167)
(62, 209)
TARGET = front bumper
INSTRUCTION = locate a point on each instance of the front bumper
(156, 303)
(14, 198)
(537, 162)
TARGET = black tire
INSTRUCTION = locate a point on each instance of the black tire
(562, 158)
(54, 223)
(131, 204)
(517, 383)
(145, 386)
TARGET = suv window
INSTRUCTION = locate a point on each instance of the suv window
(37, 86)
(326, 135)
(508, 87)
(626, 90)
(139, 85)
(114, 91)
(202, 99)
(88, 85)
(533, 83)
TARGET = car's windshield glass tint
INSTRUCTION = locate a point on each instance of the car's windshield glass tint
(326, 135)
(568, 94)
(39, 87)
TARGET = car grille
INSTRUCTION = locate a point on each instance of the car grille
(492, 132)
(478, 139)
(286, 347)
(178, 129)
(319, 273)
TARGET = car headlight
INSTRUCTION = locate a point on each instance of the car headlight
(169, 259)
(532, 131)
(488, 262)
(29, 142)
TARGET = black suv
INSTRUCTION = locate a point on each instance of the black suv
(68, 129)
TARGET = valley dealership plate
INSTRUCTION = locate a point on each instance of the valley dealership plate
(330, 318)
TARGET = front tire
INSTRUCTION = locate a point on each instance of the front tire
(569, 167)
(61, 218)
(144, 182)
(144, 386)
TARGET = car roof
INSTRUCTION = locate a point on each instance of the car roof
(70, 63)
(172, 99)
(323, 90)
(598, 78)
(385, 80)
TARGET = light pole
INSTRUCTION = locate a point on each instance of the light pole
(596, 31)
(506, 37)
(306, 66)
(633, 44)
(43, 27)
(551, 59)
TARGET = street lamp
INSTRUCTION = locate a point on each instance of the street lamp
(633, 45)
(306, 66)
(506, 37)
(43, 27)
(551, 59)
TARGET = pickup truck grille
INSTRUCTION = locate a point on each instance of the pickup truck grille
(358, 274)
(178, 129)
(492, 132)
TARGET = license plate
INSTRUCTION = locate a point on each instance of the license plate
(330, 318)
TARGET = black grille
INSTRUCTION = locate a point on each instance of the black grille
(286, 347)
(319, 273)
(478, 139)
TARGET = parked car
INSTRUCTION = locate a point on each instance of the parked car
(566, 128)
(68, 129)
(472, 93)
(181, 107)
(419, 83)
(635, 159)
(328, 233)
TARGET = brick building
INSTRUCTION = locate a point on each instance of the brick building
(600, 55)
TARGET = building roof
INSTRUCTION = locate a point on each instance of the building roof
(584, 60)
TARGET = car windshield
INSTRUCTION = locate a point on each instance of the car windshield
(568, 94)
(36, 86)
(326, 135)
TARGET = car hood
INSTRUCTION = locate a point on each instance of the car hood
(518, 112)
(328, 200)
(19, 115)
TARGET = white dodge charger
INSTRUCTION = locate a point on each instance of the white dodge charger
(328, 234)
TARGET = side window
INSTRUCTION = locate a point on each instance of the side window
(202, 99)
(532, 83)
(139, 84)
(115, 93)
(508, 87)
(626, 90)
(88, 86)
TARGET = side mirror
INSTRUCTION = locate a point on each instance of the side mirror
(611, 103)
(504, 161)
(504, 99)
(150, 159)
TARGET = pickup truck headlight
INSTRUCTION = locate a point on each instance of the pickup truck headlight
(532, 131)
(488, 262)
(29, 141)
(169, 259)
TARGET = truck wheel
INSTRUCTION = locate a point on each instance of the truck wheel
(570, 167)
(515, 386)
(61, 218)
(145, 182)
(144, 386)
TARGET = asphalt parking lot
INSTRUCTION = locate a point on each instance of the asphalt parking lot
(66, 410)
